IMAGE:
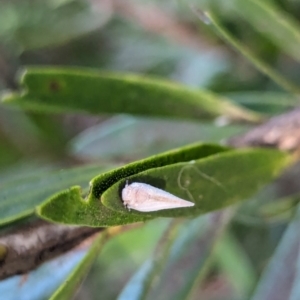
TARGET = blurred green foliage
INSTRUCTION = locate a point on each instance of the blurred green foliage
(252, 253)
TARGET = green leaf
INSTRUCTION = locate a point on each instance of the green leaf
(234, 262)
(34, 24)
(18, 198)
(80, 90)
(281, 210)
(273, 22)
(73, 281)
(182, 254)
(210, 181)
(280, 279)
(92, 212)
(248, 54)
(156, 264)
(142, 137)
(270, 103)
(122, 256)
(190, 254)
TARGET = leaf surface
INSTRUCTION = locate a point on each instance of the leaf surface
(82, 90)
(200, 173)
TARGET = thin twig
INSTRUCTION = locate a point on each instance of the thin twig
(27, 246)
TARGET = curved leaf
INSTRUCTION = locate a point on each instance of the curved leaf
(92, 212)
(65, 90)
(18, 198)
(212, 183)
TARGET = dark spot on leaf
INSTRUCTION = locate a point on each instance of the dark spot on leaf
(54, 86)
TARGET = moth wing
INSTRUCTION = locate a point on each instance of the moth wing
(153, 205)
(146, 198)
(159, 199)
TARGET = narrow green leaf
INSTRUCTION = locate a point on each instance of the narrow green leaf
(189, 259)
(281, 277)
(186, 262)
(122, 256)
(161, 255)
(211, 183)
(141, 283)
(248, 54)
(269, 103)
(233, 261)
(34, 24)
(273, 22)
(92, 212)
(81, 90)
(134, 288)
(18, 198)
(142, 137)
(73, 281)
(281, 210)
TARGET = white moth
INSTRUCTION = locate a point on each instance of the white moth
(144, 197)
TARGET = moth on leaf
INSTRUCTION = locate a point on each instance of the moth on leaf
(146, 198)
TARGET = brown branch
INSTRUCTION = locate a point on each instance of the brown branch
(25, 247)
(281, 132)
